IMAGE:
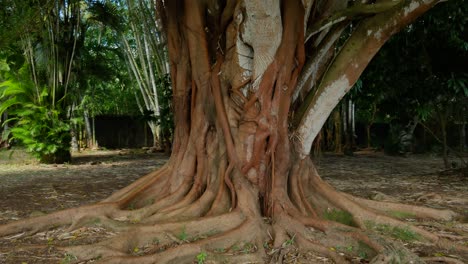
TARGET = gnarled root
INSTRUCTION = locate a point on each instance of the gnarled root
(201, 225)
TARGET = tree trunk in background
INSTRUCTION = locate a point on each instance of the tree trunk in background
(349, 127)
(337, 131)
(443, 129)
(74, 139)
(89, 136)
(353, 125)
(4, 130)
(369, 125)
(463, 137)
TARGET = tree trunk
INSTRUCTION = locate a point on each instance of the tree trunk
(74, 139)
(240, 173)
(443, 129)
(88, 130)
(337, 131)
(369, 125)
(368, 134)
(4, 131)
(462, 137)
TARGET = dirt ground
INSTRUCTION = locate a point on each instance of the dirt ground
(31, 189)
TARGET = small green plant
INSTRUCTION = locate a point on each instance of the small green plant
(248, 248)
(345, 248)
(201, 257)
(290, 241)
(339, 216)
(94, 221)
(364, 251)
(68, 258)
(362, 255)
(131, 206)
(183, 234)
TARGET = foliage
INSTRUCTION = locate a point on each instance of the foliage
(420, 72)
(132, 22)
(37, 125)
(166, 113)
(401, 215)
(183, 236)
(339, 216)
(201, 257)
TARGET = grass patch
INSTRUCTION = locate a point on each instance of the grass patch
(340, 217)
(401, 233)
(15, 155)
(401, 215)
(364, 251)
(244, 247)
(361, 249)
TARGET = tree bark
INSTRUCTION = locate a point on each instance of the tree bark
(462, 137)
(443, 130)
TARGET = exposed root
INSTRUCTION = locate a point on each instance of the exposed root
(69, 216)
(443, 260)
(416, 211)
(163, 235)
(305, 244)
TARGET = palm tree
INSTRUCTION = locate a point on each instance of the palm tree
(51, 41)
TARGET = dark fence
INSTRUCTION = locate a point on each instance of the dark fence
(122, 132)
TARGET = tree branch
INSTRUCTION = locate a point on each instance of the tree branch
(316, 65)
(348, 65)
(349, 13)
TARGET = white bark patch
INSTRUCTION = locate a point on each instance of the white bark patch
(310, 70)
(413, 5)
(316, 115)
(252, 175)
(249, 147)
(261, 30)
(378, 34)
(244, 56)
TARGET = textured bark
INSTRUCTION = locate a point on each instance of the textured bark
(239, 172)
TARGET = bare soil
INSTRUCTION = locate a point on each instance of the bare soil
(31, 189)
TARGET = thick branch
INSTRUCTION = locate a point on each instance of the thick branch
(314, 67)
(349, 13)
(349, 64)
